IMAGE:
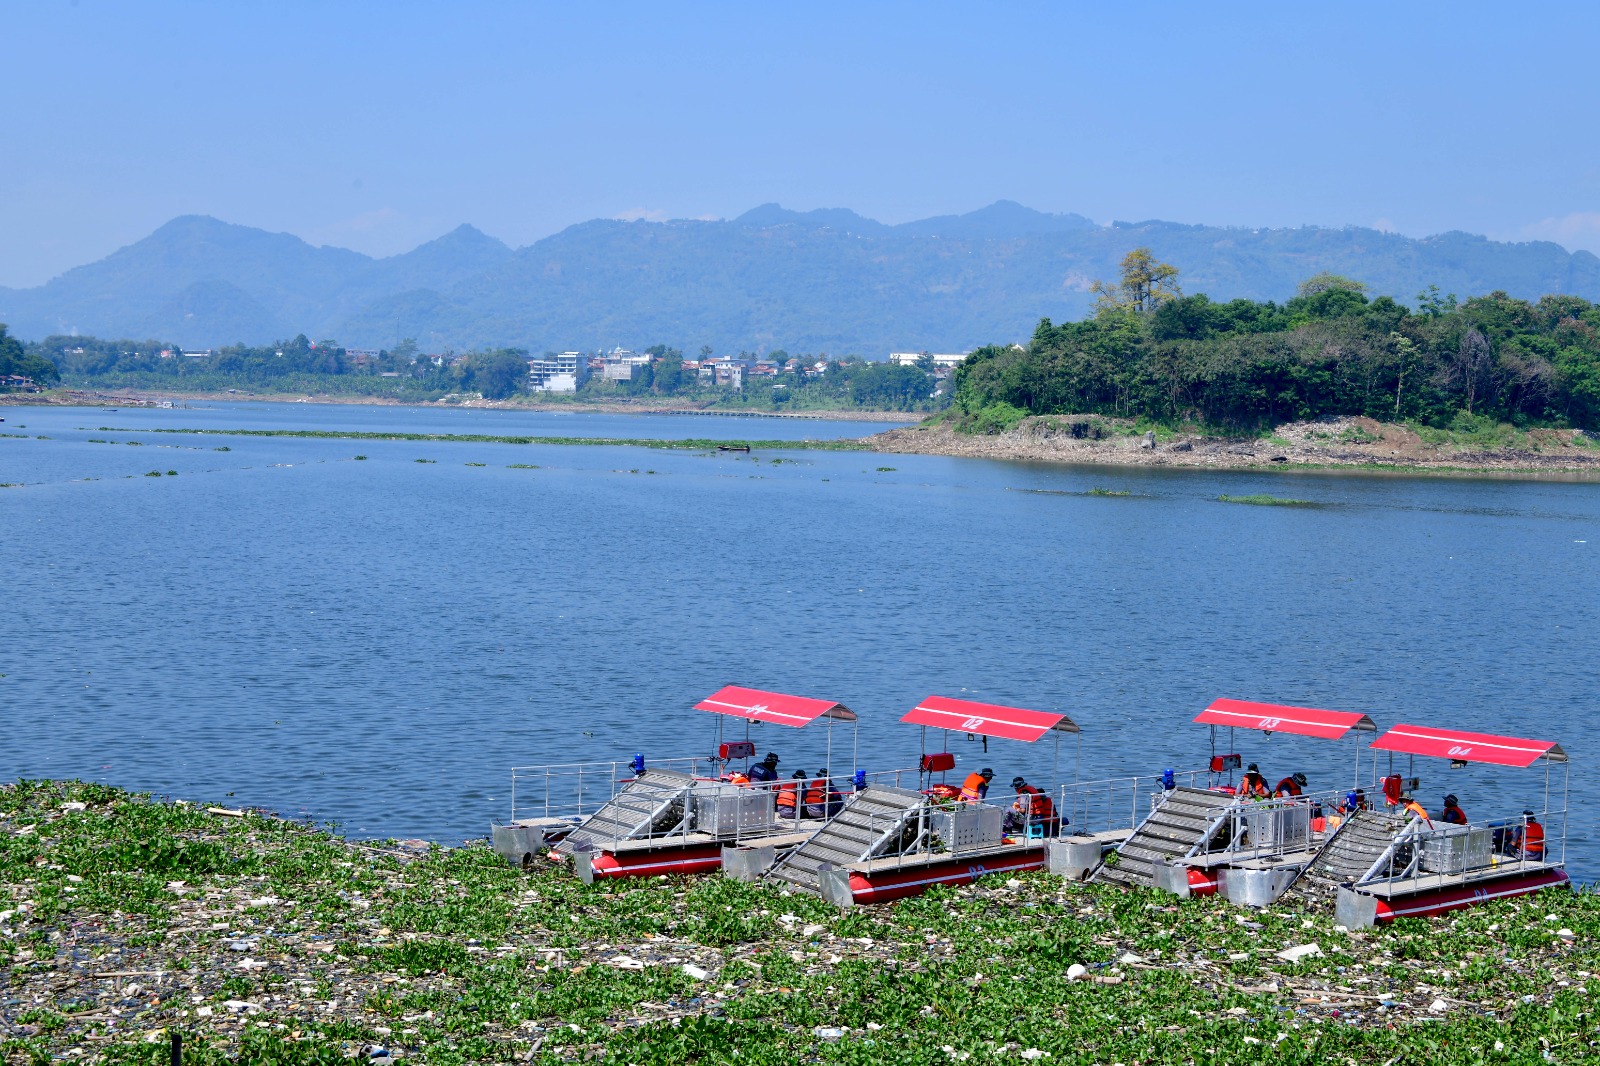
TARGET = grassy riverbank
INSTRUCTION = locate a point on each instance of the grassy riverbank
(269, 941)
(678, 443)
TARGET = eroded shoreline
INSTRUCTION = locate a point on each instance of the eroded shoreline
(1350, 446)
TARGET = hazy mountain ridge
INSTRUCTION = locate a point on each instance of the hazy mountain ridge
(828, 280)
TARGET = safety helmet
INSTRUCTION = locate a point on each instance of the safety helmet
(1017, 782)
(1300, 779)
(986, 773)
(1450, 800)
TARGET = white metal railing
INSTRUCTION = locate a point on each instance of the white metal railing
(1474, 851)
(573, 791)
(1120, 803)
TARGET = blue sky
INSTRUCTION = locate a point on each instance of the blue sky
(379, 126)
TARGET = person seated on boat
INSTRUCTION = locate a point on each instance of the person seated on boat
(1453, 814)
(1032, 808)
(976, 786)
(766, 769)
(788, 796)
(1528, 839)
(740, 778)
(1290, 786)
(823, 800)
(1355, 801)
(1252, 784)
(1409, 803)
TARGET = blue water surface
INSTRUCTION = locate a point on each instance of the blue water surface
(375, 642)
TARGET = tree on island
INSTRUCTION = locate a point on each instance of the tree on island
(1146, 284)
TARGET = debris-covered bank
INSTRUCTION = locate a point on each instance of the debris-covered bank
(261, 940)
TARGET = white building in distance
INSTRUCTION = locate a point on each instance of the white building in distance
(941, 360)
(561, 373)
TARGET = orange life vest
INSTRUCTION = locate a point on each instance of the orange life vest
(1253, 785)
(1417, 809)
(1287, 787)
(788, 795)
(1533, 840)
(973, 788)
(739, 778)
(1035, 804)
(1455, 816)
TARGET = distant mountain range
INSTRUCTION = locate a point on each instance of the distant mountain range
(816, 281)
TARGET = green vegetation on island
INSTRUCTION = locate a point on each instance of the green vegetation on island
(261, 940)
(1150, 352)
(1261, 499)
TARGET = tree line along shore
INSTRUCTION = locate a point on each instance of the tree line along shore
(1331, 377)
(128, 919)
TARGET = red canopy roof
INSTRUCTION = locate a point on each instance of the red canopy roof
(989, 719)
(1277, 718)
(776, 707)
(1472, 747)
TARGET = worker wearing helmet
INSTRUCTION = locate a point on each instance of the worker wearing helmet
(1253, 784)
(766, 769)
(976, 786)
(1291, 785)
(1453, 814)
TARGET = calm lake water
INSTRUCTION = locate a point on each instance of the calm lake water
(375, 643)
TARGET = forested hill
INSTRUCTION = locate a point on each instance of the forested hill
(821, 281)
(1150, 352)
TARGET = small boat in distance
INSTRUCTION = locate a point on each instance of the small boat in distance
(733, 448)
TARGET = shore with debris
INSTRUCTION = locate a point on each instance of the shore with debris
(1343, 444)
(125, 920)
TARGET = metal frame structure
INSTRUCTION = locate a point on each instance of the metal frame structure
(1428, 868)
(892, 842)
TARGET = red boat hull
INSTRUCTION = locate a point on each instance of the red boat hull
(696, 859)
(889, 885)
(1444, 900)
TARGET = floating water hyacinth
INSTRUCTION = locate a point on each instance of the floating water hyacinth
(270, 940)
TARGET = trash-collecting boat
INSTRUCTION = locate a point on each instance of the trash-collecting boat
(1199, 840)
(1383, 867)
(870, 838)
(890, 842)
(676, 815)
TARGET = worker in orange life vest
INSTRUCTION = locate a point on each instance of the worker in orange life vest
(1253, 784)
(788, 797)
(1032, 808)
(976, 786)
(822, 799)
(739, 777)
(1290, 786)
(1407, 802)
(1453, 814)
(1532, 837)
